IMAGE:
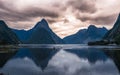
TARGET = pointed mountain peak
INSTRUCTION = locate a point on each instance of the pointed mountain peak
(91, 28)
(44, 20)
(42, 24)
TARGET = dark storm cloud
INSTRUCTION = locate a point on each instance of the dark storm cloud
(85, 6)
(99, 19)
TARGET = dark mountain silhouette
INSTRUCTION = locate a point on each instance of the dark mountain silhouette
(7, 36)
(111, 37)
(42, 34)
(114, 33)
(85, 35)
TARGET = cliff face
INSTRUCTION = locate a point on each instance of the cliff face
(114, 33)
(7, 36)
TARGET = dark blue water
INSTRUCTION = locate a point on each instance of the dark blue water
(57, 60)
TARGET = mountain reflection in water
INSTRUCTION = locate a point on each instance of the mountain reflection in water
(61, 60)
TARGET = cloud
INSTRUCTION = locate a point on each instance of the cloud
(23, 14)
(12, 13)
(98, 20)
(84, 6)
(39, 12)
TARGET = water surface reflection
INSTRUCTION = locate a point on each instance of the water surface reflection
(60, 61)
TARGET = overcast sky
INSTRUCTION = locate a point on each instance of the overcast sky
(65, 17)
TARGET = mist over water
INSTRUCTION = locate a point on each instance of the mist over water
(60, 60)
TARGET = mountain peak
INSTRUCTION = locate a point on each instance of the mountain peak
(92, 27)
(42, 24)
(43, 20)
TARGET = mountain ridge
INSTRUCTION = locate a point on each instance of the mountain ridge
(86, 35)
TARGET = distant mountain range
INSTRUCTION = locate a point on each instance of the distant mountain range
(85, 35)
(42, 34)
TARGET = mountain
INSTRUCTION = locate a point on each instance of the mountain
(83, 36)
(42, 34)
(23, 35)
(7, 36)
(114, 33)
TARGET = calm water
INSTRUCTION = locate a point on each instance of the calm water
(74, 59)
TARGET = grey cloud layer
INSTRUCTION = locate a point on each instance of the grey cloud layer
(85, 6)
(55, 13)
(10, 13)
(103, 20)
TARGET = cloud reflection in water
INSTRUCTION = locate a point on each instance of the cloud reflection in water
(63, 63)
